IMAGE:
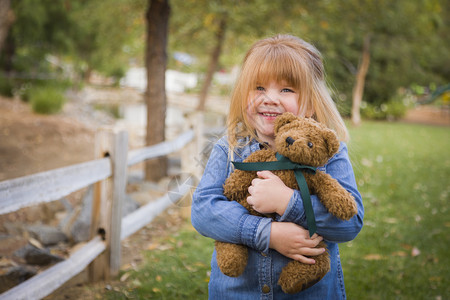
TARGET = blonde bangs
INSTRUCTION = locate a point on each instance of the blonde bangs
(278, 63)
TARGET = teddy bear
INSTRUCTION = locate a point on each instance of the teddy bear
(303, 141)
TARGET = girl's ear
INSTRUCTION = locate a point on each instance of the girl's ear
(282, 120)
(310, 113)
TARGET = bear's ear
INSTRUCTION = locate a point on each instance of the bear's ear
(331, 141)
(282, 120)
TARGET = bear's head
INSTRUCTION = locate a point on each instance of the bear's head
(304, 140)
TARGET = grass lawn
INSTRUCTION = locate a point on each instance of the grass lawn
(175, 267)
(403, 173)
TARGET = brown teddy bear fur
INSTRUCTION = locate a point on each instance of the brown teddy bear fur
(314, 144)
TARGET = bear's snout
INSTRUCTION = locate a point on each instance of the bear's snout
(290, 140)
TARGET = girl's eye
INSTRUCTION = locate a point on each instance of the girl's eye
(260, 88)
(286, 90)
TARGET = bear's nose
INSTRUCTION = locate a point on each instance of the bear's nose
(290, 140)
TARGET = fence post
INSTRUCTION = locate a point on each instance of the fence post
(109, 196)
(191, 154)
(119, 158)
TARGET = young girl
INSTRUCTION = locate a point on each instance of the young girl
(279, 74)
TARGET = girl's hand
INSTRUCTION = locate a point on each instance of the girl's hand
(293, 241)
(268, 194)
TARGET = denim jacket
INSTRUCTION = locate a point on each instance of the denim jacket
(216, 217)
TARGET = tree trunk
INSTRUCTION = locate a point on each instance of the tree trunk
(220, 37)
(358, 89)
(156, 59)
(6, 19)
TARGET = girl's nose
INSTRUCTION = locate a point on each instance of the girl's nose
(271, 97)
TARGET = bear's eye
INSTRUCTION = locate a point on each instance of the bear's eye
(310, 145)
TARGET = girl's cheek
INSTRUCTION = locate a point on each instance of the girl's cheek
(255, 99)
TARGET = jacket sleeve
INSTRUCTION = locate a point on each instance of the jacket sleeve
(331, 228)
(214, 216)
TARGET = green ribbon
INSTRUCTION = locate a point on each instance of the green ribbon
(284, 163)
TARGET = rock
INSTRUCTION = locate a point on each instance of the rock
(80, 230)
(47, 235)
(14, 228)
(36, 256)
(10, 244)
(15, 275)
(129, 206)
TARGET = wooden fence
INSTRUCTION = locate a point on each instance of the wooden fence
(108, 173)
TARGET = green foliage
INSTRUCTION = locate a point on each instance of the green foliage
(112, 109)
(89, 35)
(245, 23)
(25, 88)
(6, 87)
(407, 43)
(46, 99)
(402, 172)
(394, 109)
(409, 38)
(40, 28)
(105, 33)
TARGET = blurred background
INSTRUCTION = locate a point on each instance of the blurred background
(72, 44)
(70, 67)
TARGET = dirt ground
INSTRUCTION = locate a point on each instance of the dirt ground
(31, 143)
(430, 115)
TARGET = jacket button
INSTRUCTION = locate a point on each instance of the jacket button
(263, 254)
(265, 289)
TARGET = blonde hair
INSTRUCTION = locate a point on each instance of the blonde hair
(283, 58)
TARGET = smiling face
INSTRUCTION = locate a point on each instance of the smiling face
(266, 102)
(279, 74)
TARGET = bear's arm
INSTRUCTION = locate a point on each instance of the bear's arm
(337, 200)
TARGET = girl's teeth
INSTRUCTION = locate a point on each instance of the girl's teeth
(269, 115)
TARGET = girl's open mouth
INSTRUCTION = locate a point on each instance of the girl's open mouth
(270, 114)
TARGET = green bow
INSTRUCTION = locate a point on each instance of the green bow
(284, 163)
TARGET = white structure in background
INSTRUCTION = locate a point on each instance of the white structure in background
(176, 81)
(225, 78)
(135, 78)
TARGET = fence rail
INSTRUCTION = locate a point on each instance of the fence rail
(45, 283)
(50, 185)
(109, 176)
(164, 148)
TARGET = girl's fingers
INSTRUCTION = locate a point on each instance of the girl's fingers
(265, 174)
(304, 259)
(313, 242)
(305, 253)
(255, 181)
(315, 236)
(312, 251)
